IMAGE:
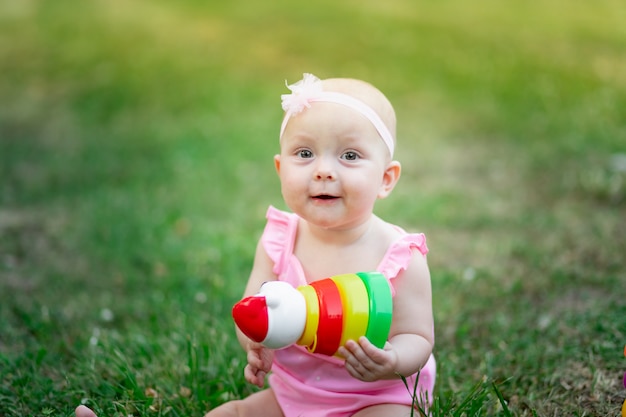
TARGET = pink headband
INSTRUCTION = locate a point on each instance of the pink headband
(309, 90)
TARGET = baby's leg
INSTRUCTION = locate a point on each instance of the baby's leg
(387, 410)
(263, 402)
(260, 403)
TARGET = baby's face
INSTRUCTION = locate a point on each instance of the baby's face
(332, 165)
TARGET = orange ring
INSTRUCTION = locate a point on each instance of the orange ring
(312, 316)
(331, 317)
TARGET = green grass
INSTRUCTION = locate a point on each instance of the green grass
(136, 141)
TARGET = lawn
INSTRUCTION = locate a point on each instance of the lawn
(136, 144)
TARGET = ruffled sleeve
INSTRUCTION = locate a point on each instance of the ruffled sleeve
(278, 237)
(400, 252)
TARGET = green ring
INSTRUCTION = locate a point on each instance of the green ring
(381, 307)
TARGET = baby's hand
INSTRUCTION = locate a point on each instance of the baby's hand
(366, 362)
(260, 361)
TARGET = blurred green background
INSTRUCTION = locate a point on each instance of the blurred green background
(136, 144)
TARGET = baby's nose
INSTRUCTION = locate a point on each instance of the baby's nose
(325, 176)
(325, 171)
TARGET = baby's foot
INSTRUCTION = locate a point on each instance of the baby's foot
(82, 411)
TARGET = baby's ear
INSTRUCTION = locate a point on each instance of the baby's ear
(390, 178)
(277, 163)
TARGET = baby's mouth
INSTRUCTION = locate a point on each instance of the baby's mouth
(324, 197)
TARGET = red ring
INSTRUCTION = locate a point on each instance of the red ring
(331, 317)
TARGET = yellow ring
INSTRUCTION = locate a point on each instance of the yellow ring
(312, 316)
(355, 306)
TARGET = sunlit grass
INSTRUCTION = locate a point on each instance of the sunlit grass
(135, 170)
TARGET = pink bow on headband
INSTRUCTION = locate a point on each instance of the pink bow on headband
(302, 94)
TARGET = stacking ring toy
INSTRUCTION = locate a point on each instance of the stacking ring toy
(321, 316)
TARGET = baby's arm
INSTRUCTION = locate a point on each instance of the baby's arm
(259, 357)
(411, 337)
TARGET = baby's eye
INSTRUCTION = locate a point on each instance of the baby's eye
(305, 153)
(350, 156)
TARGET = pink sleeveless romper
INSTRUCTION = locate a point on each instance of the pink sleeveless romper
(313, 385)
